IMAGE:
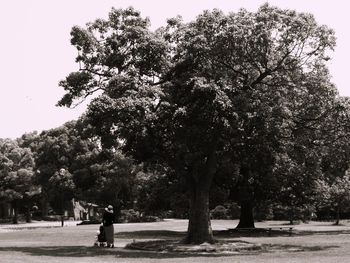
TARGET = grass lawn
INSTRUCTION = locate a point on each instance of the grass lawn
(47, 242)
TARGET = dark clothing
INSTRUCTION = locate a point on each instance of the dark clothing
(101, 237)
(109, 233)
(108, 219)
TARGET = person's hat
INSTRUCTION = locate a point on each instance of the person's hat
(109, 209)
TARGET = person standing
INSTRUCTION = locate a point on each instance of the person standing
(108, 219)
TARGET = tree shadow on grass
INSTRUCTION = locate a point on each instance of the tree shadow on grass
(328, 232)
(255, 232)
(84, 251)
(147, 234)
(218, 234)
(81, 251)
(167, 234)
(295, 248)
(227, 234)
(265, 232)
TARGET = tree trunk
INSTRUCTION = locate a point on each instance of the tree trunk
(246, 219)
(15, 215)
(291, 216)
(44, 206)
(28, 215)
(337, 220)
(199, 226)
(62, 209)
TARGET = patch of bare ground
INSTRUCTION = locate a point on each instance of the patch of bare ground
(220, 247)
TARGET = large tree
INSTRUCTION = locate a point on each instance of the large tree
(192, 97)
(283, 97)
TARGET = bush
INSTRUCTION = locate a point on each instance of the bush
(150, 219)
(6, 220)
(166, 214)
(297, 214)
(132, 216)
(219, 212)
(234, 211)
(129, 216)
(52, 218)
(263, 212)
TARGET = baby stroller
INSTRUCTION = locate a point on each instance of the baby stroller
(101, 237)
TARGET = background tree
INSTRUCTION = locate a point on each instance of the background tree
(16, 176)
(296, 184)
(106, 177)
(335, 194)
(58, 148)
(335, 157)
(62, 186)
(161, 194)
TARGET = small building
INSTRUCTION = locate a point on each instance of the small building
(81, 210)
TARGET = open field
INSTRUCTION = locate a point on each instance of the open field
(47, 242)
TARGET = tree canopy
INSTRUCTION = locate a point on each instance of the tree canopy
(16, 174)
(191, 98)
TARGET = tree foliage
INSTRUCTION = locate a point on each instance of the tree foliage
(192, 97)
(16, 174)
(335, 194)
(59, 153)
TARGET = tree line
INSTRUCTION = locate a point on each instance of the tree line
(238, 105)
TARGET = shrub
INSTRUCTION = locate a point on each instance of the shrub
(132, 216)
(234, 211)
(263, 212)
(219, 212)
(129, 216)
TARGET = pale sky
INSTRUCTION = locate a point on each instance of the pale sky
(35, 50)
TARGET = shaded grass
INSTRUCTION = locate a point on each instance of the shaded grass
(166, 234)
(229, 233)
(153, 251)
(146, 234)
(296, 248)
(82, 251)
